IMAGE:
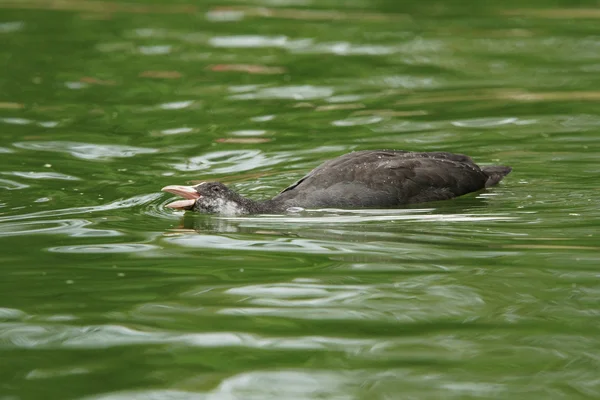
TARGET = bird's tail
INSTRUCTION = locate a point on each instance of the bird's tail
(495, 174)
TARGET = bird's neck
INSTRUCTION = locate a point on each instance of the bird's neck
(261, 207)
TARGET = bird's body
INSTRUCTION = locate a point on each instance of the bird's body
(370, 178)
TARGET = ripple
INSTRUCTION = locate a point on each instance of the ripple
(340, 384)
(11, 314)
(302, 46)
(150, 33)
(104, 248)
(86, 151)
(306, 92)
(176, 105)
(48, 124)
(25, 121)
(341, 48)
(12, 26)
(53, 336)
(158, 210)
(124, 203)
(242, 41)
(243, 88)
(222, 242)
(411, 126)
(224, 15)
(76, 85)
(344, 98)
(403, 81)
(39, 373)
(17, 121)
(335, 216)
(439, 297)
(176, 131)
(331, 223)
(152, 394)
(581, 121)
(12, 185)
(249, 132)
(43, 175)
(355, 121)
(155, 50)
(263, 118)
(222, 162)
(72, 227)
(486, 122)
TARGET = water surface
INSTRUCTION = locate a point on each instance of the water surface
(106, 294)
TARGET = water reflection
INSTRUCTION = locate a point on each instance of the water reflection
(439, 297)
(86, 151)
(307, 92)
(177, 131)
(248, 41)
(71, 227)
(342, 218)
(222, 242)
(223, 162)
(307, 46)
(12, 185)
(115, 205)
(357, 121)
(178, 105)
(56, 336)
(12, 26)
(104, 248)
(224, 15)
(43, 175)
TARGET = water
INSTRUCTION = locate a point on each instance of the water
(106, 294)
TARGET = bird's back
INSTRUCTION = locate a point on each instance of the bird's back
(387, 178)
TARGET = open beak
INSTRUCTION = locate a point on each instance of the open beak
(189, 193)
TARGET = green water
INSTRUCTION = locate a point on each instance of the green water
(106, 294)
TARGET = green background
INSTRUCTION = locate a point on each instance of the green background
(105, 294)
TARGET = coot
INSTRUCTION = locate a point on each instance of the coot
(370, 178)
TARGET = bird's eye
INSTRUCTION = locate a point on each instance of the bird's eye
(215, 189)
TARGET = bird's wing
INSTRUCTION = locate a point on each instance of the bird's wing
(403, 177)
(343, 167)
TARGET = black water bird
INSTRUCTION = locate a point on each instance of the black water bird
(361, 179)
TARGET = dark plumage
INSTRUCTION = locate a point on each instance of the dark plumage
(374, 179)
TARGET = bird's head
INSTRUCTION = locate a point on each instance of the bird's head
(206, 197)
